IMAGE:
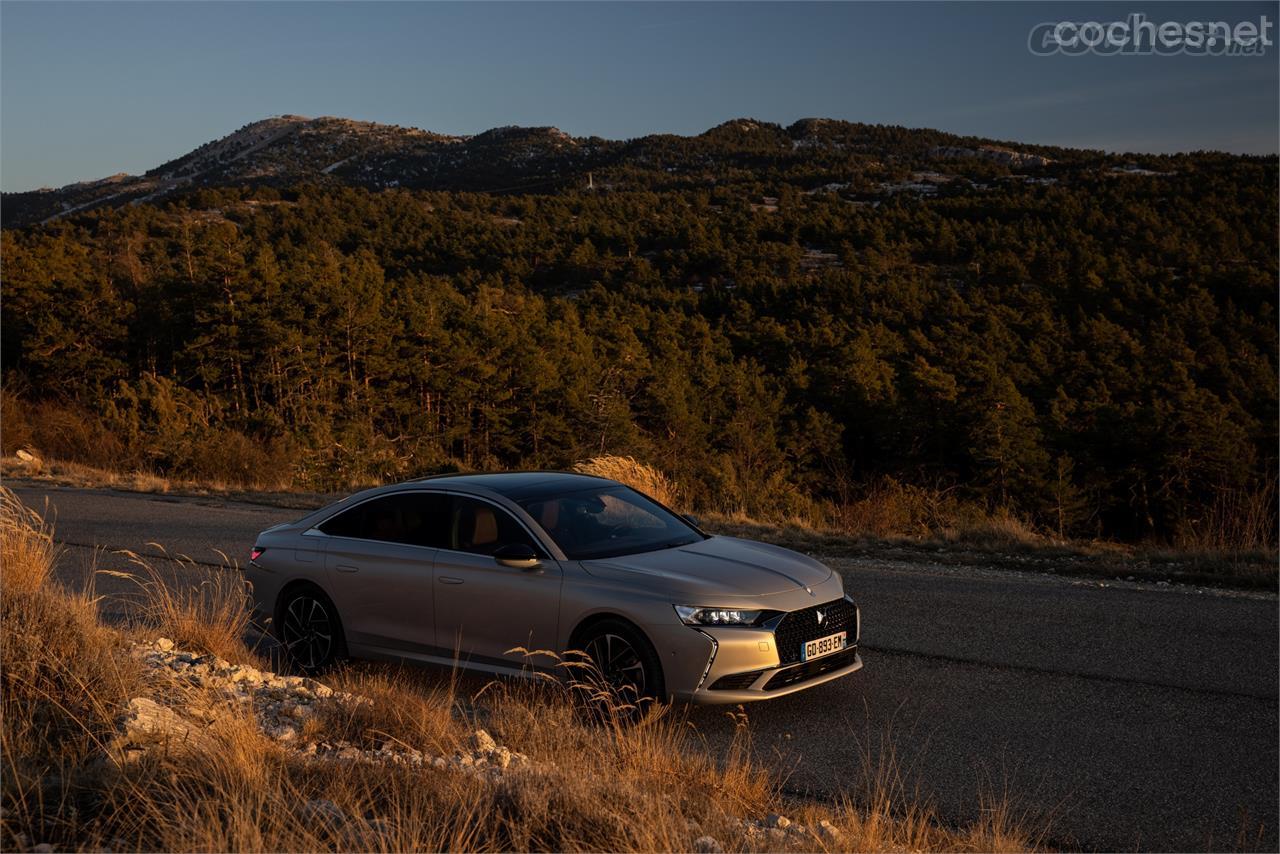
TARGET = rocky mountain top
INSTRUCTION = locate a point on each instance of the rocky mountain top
(288, 150)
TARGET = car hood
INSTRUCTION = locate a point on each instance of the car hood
(717, 566)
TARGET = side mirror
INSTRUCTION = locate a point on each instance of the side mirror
(517, 556)
(693, 520)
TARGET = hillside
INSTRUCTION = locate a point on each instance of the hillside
(866, 328)
(287, 150)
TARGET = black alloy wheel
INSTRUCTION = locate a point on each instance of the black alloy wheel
(624, 662)
(310, 631)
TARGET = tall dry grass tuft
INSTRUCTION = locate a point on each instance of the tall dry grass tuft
(211, 616)
(1237, 521)
(26, 543)
(889, 509)
(1000, 530)
(637, 475)
(64, 679)
(886, 813)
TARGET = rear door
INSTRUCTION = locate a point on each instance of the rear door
(379, 564)
(485, 609)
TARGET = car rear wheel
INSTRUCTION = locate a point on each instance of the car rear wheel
(310, 630)
(624, 663)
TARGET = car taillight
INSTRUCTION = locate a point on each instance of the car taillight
(256, 553)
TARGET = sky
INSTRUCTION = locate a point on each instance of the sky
(92, 89)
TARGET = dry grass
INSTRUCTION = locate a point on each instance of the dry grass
(26, 541)
(637, 475)
(1238, 521)
(211, 617)
(64, 679)
(591, 786)
(66, 441)
(83, 475)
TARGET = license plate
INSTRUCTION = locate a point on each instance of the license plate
(823, 646)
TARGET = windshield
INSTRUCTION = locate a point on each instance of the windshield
(607, 522)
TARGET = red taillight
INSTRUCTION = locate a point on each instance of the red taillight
(256, 553)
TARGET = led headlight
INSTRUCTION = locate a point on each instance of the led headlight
(694, 616)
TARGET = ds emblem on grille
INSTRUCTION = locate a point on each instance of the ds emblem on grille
(820, 617)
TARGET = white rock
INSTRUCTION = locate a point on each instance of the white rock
(482, 741)
(164, 644)
(707, 845)
(829, 831)
(318, 688)
(779, 821)
(42, 848)
(146, 717)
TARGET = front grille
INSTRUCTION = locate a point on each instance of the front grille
(812, 669)
(839, 615)
(736, 681)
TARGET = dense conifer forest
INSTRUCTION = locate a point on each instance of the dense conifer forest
(1090, 349)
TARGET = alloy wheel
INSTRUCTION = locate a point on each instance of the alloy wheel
(308, 632)
(619, 664)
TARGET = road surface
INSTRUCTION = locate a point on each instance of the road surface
(1125, 716)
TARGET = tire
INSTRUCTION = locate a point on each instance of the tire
(309, 630)
(626, 664)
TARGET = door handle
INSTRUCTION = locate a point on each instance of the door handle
(449, 579)
(346, 567)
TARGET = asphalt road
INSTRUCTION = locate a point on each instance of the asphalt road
(1124, 716)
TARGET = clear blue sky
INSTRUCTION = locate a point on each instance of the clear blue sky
(88, 90)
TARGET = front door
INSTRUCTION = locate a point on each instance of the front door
(484, 609)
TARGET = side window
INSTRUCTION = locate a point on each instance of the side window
(481, 528)
(345, 524)
(412, 518)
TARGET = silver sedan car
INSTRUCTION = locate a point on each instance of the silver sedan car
(463, 570)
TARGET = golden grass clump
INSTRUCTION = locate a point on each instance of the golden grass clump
(635, 474)
(210, 616)
(64, 679)
(26, 543)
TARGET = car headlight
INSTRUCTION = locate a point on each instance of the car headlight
(694, 616)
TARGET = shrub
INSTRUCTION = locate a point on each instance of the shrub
(637, 475)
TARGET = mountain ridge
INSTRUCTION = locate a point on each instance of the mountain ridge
(291, 149)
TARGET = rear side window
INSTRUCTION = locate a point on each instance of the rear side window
(480, 528)
(412, 518)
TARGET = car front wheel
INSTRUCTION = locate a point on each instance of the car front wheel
(624, 662)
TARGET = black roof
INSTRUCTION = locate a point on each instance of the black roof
(522, 485)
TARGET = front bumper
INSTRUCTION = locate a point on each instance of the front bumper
(780, 681)
(743, 664)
